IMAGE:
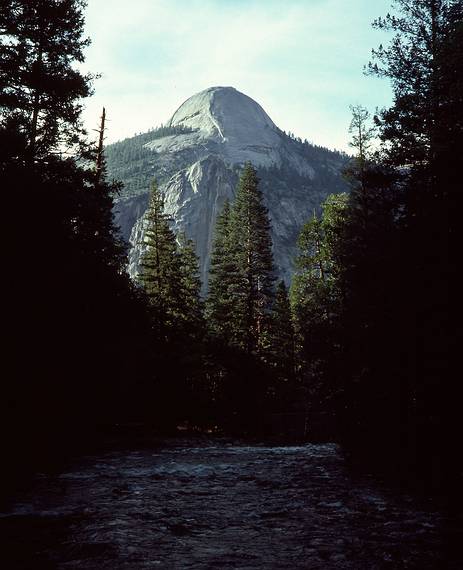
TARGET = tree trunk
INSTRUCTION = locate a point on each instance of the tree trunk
(99, 155)
(35, 107)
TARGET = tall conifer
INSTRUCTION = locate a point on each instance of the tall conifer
(282, 337)
(169, 274)
(83, 306)
(396, 270)
(160, 266)
(191, 306)
(251, 250)
(41, 90)
(219, 304)
(315, 300)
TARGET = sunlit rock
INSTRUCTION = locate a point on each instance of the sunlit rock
(196, 160)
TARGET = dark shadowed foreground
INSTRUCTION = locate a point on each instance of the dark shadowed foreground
(221, 505)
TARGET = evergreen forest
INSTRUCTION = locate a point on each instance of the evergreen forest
(359, 349)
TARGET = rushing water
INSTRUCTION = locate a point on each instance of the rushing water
(219, 505)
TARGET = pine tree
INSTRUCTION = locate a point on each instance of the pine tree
(97, 226)
(369, 275)
(315, 302)
(312, 259)
(40, 88)
(191, 306)
(311, 284)
(160, 265)
(239, 304)
(83, 305)
(251, 250)
(281, 337)
(310, 293)
(362, 133)
(169, 275)
(395, 270)
(363, 136)
(413, 62)
(219, 305)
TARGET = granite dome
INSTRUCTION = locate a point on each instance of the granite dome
(196, 159)
(236, 124)
(223, 111)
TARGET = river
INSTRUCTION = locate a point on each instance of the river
(216, 504)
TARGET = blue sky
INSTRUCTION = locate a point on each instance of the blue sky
(302, 60)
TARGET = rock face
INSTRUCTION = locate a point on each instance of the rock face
(196, 159)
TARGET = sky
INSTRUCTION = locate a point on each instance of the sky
(301, 60)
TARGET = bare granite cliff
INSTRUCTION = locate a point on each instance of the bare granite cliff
(196, 159)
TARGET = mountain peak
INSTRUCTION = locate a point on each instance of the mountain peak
(196, 168)
(223, 113)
